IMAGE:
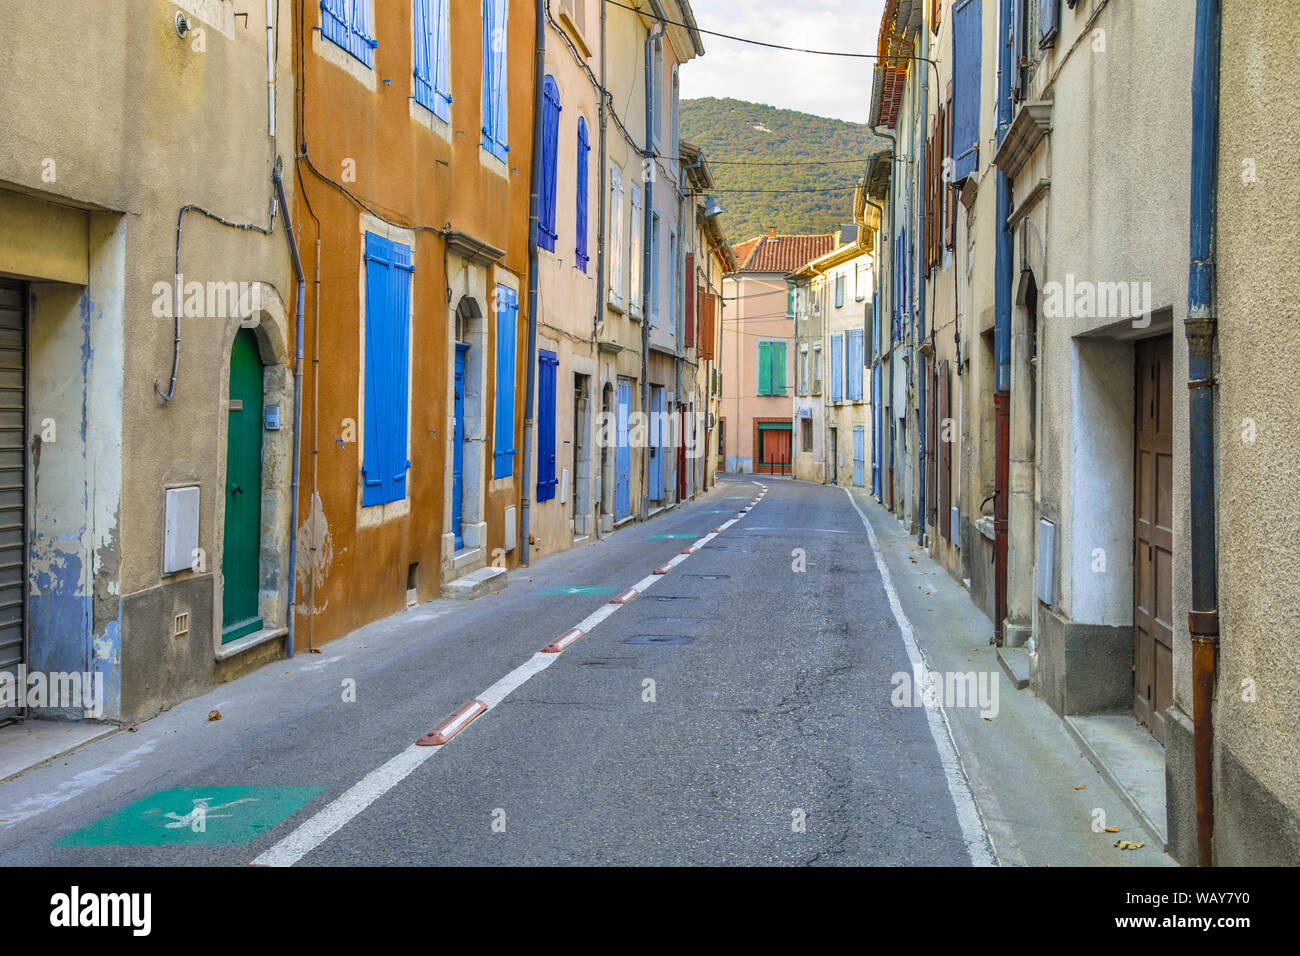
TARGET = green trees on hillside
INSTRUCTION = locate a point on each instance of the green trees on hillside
(734, 132)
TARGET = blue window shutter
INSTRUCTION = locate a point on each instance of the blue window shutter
(503, 452)
(584, 151)
(855, 365)
(397, 387)
(837, 367)
(546, 367)
(1049, 22)
(350, 24)
(494, 77)
(422, 41)
(546, 234)
(489, 15)
(966, 41)
(375, 473)
(442, 60)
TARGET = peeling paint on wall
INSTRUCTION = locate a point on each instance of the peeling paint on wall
(315, 552)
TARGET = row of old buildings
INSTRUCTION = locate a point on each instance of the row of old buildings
(1057, 343)
(313, 311)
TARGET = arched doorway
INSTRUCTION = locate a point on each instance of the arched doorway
(240, 555)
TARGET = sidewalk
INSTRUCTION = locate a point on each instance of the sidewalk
(1037, 792)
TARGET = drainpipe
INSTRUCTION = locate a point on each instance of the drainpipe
(647, 218)
(534, 224)
(1002, 338)
(922, 277)
(297, 406)
(1203, 619)
(887, 426)
(600, 277)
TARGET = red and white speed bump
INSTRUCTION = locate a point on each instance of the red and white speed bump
(563, 641)
(662, 569)
(452, 724)
(622, 597)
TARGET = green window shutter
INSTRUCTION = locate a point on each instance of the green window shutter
(765, 368)
(778, 368)
(789, 299)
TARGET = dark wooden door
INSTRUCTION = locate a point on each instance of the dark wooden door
(458, 448)
(1153, 583)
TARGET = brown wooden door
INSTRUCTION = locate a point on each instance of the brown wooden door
(1153, 583)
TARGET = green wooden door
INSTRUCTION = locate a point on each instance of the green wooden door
(239, 557)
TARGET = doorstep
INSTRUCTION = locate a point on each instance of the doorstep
(1131, 759)
(487, 580)
(1015, 662)
(32, 742)
(250, 641)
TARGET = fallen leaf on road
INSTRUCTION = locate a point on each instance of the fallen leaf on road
(313, 650)
(1082, 786)
(1129, 844)
(214, 715)
(1112, 829)
(988, 718)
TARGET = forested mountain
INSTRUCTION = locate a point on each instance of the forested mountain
(732, 132)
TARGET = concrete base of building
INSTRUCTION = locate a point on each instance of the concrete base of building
(159, 669)
(1252, 827)
(1180, 786)
(1083, 668)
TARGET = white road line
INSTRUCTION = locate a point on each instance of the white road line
(974, 833)
(318, 828)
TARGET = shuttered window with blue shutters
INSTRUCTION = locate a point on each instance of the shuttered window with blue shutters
(432, 61)
(350, 24)
(839, 291)
(546, 368)
(546, 234)
(837, 367)
(503, 451)
(387, 331)
(854, 365)
(584, 162)
(495, 135)
(966, 43)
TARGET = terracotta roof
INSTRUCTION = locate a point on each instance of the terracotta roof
(783, 254)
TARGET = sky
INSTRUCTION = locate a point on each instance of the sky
(839, 87)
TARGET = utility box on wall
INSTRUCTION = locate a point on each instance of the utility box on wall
(1046, 561)
(512, 531)
(180, 529)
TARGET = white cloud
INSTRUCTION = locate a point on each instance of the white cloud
(828, 86)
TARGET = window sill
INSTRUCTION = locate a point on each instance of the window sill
(430, 120)
(492, 162)
(331, 52)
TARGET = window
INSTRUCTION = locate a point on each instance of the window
(860, 277)
(503, 453)
(584, 162)
(839, 291)
(615, 235)
(771, 367)
(1049, 22)
(495, 133)
(803, 370)
(350, 24)
(789, 300)
(546, 234)
(654, 269)
(634, 255)
(817, 368)
(388, 322)
(966, 43)
(805, 430)
(546, 366)
(855, 364)
(432, 60)
(688, 295)
(837, 367)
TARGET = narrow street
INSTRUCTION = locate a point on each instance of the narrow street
(737, 712)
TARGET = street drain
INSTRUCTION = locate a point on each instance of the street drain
(659, 639)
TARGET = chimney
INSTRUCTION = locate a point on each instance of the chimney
(771, 232)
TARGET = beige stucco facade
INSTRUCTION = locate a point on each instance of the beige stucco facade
(97, 164)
